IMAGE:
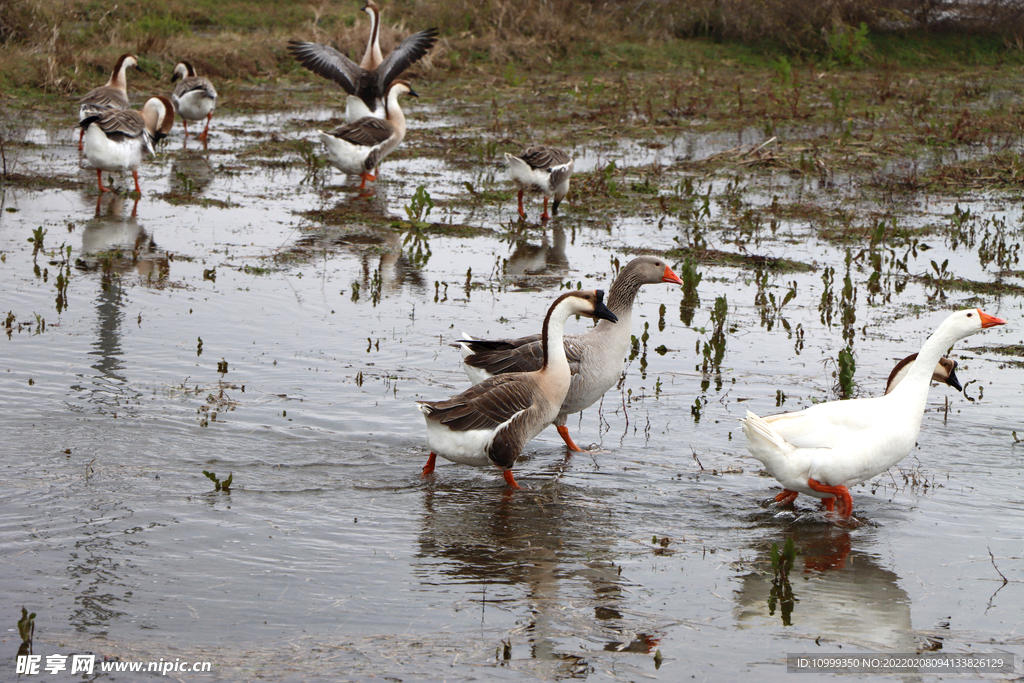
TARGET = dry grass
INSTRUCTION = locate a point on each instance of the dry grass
(68, 46)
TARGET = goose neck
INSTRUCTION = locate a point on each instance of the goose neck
(393, 113)
(623, 292)
(552, 335)
(920, 373)
(373, 56)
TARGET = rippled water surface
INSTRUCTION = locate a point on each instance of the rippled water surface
(234, 333)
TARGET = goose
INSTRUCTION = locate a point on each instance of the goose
(367, 83)
(111, 95)
(357, 147)
(115, 140)
(541, 169)
(596, 358)
(823, 450)
(944, 373)
(194, 98)
(492, 421)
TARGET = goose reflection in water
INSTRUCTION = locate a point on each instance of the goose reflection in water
(391, 259)
(191, 173)
(831, 590)
(114, 244)
(533, 556)
(544, 259)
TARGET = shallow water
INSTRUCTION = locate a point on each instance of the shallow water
(238, 336)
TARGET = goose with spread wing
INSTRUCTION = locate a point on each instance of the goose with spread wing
(367, 83)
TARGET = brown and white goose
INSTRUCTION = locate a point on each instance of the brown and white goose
(945, 373)
(492, 421)
(111, 95)
(596, 357)
(115, 140)
(194, 98)
(541, 169)
(357, 147)
(367, 82)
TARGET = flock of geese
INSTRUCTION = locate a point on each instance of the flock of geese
(521, 386)
(115, 137)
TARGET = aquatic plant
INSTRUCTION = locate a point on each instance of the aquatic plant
(27, 630)
(781, 593)
(219, 485)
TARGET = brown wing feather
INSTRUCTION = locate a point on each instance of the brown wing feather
(520, 355)
(119, 123)
(486, 405)
(544, 157)
(410, 51)
(366, 132)
(105, 97)
(508, 443)
(327, 62)
(191, 83)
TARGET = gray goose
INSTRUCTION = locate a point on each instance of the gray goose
(194, 98)
(367, 82)
(492, 421)
(945, 373)
(596, 357)
(111, 95)
(541, 169)
(115, 140)
(358, 147)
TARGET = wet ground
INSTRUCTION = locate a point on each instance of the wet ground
(255, 315)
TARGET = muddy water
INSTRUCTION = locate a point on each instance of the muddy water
(233, 334)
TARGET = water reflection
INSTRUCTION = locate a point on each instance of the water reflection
(113, 244)
(191, 173)
(391, 258)
(546, 258)
(832, 589)
(538, 552)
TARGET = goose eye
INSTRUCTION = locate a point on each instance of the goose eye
(970, 315)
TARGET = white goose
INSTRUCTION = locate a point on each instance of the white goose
(115, 140)
(357, 147)
(367, 82)
(944, 373)
(822, 450)
(541, 169)
(194, 98)
(596, 357)
(492, 421)
(111, 95)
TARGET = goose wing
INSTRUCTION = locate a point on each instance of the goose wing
(192, 84)
(525, 354)
(105, 97)
(366, 132)
(410, 51)
(327, 62)
(544, 157)
(118, 123)
(487, 405)
(837, 424)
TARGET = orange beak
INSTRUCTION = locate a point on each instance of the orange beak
(989, 320)
(670, 276)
